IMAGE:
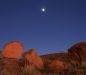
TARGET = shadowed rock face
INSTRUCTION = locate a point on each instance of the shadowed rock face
(55, 56)
(10, 65)
(33, 58)
(12, 50)
(55, 65)
(78, 51)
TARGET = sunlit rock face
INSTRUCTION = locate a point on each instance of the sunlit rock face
(33, 58)
(12, 50)
(78, 51)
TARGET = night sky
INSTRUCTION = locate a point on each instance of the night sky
(61, 25)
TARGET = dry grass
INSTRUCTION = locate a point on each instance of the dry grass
(31, 70)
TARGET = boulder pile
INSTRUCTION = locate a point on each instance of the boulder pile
(14, 60)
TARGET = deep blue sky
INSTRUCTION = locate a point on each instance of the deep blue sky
(62, 25)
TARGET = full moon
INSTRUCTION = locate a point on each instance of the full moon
(43, 9)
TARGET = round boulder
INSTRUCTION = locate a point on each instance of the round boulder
(12, 50)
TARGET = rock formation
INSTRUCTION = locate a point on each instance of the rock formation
(55, 56)
(33, 58)
(55, 66)
(12, 50)
(78, 52)
(68, 63)
(11, 66)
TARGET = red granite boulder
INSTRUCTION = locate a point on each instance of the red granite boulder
(33, 58)
(12, 50)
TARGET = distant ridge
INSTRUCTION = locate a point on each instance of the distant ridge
(55, 56)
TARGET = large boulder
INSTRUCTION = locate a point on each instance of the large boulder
(12, 50)
(33, 58)
(78, 52)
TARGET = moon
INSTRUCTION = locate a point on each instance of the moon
(43, 9)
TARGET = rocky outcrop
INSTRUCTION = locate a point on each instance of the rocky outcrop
(32, 58)
(55, 56)
(68, 63)
(12, 50)
(10, 66)
(55, 66)
(78, 52)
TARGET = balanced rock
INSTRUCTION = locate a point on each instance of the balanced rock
(33, 58)
(12, 50)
